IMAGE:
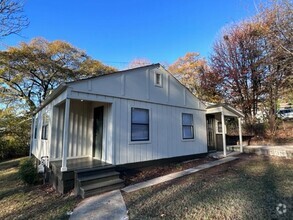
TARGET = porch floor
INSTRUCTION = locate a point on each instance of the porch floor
(79, 164)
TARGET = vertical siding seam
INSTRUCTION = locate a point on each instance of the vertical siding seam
(148, 84)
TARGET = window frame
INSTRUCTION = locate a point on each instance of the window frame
(44, 135)
(45, 126)
(187, 125)
(36, 121)
(160, 84)
(219, 127)
(147, 140)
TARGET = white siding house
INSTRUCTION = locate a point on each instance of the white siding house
(130, 116)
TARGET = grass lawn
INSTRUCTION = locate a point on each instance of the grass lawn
(19, 201)
(249, 188)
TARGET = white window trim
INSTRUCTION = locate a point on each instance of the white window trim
(181, 124)
(43, 124)
(36, 127)
(130, 142)
(217, 127)
(161, 79)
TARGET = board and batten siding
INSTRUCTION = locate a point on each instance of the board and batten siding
(80, 136)
(165, 133)
(166, 103)
(136, 84)
(118, 93)
(39, 146)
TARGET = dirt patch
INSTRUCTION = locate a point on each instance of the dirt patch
(136, 175)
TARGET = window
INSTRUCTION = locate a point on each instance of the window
(187, 126)
(139, 124)
(44, 135)
(219, 127)
(158, 79)
(36, 128)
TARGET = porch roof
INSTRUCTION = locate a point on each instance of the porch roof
(225, 108)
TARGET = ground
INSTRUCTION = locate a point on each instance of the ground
(283, 135)
(19, 201)
(249, 188)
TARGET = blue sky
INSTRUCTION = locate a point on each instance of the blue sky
(116, 32)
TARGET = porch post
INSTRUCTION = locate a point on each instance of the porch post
(65, 135)
(223, 134)
(240, 135)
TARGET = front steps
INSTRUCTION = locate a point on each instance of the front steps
(93, 181)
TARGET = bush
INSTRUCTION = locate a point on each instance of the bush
(27, 172)
(10, 149)
(257, 129)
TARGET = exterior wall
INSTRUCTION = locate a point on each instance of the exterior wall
(136, 88)
(57, 131)
(80, 139)
(139, 84)
(165, 133)
(118, 93)
(42, 147)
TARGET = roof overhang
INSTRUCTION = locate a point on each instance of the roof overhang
(224, 108)
(56, 92)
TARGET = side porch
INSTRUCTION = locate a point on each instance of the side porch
(217, 117)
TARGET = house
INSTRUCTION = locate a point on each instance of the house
(137, 115)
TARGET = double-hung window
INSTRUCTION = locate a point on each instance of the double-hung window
(187, 126)
(140, 124)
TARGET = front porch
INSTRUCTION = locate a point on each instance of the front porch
(87, 176)
(80, 129)
(78, 164)
(81, 148)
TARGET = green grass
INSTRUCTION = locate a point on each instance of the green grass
(250, 188)
(19, 201)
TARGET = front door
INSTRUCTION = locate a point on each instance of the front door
(211, 133)
(98, 132)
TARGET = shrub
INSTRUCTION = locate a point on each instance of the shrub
(28, 172)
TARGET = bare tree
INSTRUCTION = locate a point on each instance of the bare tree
(12, 18)
(138, 62)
